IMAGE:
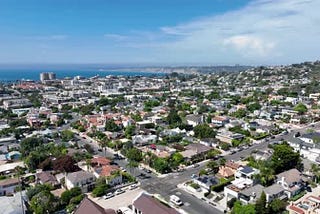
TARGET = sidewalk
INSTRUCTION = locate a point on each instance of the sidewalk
(200, 196)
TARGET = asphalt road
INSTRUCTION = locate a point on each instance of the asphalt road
(167, 186)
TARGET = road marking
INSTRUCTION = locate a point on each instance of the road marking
(186, 204)
(178, 193)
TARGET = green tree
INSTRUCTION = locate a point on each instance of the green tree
(173, 118)
(277, 206)
(315, 171)
(43, 202)
(204, 131)
(67, 195)
(243, 209)
(254, 106)
(100, 188)
(261, 203)
(130, 131)
(176, 159)
(213, 166)
(266, 175)
(112, 126)
(161, 165)
(285, 158)
(241, 113)
(67, 135)
(29, 144)
(300, 108)
(134, 154)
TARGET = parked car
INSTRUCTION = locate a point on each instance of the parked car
(147, 170)
(109, 195)
(176, 200)
(196, 165)
(194, 176)
(133, 186)
(119, 191)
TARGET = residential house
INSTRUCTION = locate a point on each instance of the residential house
(141, 140)
(305, 147)
(101, 167)
(47, 177)
(275, 191)
(308, 205)
(228, 137)
(210, 142)
(88, 206)
(251, 195)
(16, 103)
(84, 180)
(206, 182)
(195, 151)
(158, 150)
(313, 137)
(246, 172)
(291, 181)
(146, 204)
(228, 170)
(219, 121)
(194, 119)
(7, 186)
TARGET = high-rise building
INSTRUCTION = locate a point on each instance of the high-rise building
(44, 76)
(47, 76)
(52, 76)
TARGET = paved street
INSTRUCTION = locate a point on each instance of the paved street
(167, 185)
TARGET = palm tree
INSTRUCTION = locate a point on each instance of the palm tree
(266, 176)
(132, 165)
(213, 166)
(103, 144)
(88, 163)
(315, 171)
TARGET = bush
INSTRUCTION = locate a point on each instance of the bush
(296, 197)
(194, 185)
(219, 187)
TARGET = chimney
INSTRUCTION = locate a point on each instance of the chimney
(282, 180)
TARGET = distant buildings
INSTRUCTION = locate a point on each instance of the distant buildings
(47, 76)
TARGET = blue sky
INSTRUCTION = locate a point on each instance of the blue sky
(171, 32)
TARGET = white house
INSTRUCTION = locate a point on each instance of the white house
(84, 180)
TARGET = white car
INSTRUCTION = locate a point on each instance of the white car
(176, 200)
(119, 191)
(109, 195)
(133, 186)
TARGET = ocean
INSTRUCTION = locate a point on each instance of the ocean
(10, 75)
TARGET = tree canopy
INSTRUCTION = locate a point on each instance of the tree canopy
(285, 158)
(204, 131)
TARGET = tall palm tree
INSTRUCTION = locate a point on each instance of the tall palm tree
(315, 171)
(103, 144)
(88, 163)
(132, 165)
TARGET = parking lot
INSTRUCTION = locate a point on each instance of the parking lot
(122, 200)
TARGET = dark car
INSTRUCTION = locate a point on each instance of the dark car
(308, 188)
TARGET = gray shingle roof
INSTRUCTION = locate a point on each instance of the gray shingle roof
(75, 177)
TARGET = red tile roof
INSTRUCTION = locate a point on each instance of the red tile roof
(108, 170)
(296, 209)
(101, 161)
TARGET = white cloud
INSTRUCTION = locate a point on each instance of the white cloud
(249, 45)
(264, 31)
